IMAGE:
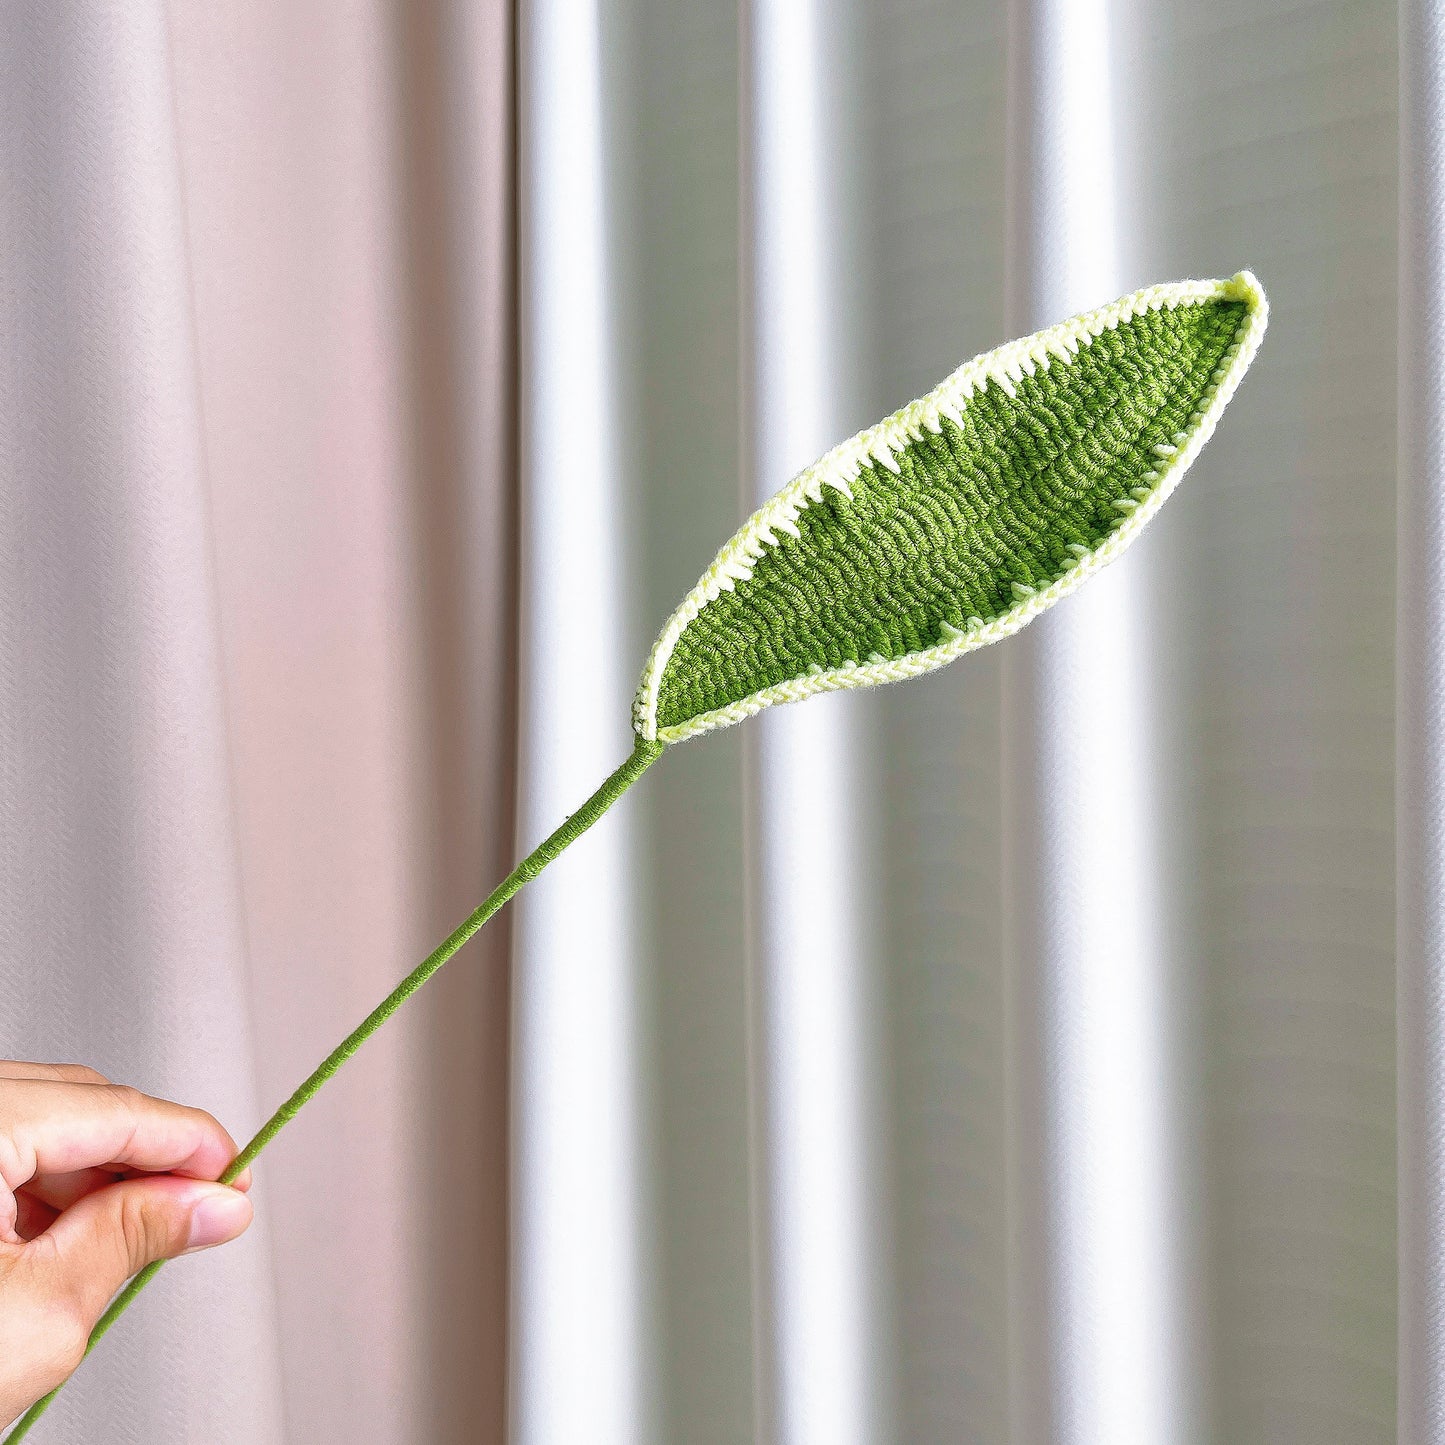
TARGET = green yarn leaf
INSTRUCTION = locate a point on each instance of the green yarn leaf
(942, 529)
(960, 518)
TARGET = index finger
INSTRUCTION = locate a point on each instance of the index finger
(64, 1073)
(56, 1128)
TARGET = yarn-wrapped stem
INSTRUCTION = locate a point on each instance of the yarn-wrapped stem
(643, 755)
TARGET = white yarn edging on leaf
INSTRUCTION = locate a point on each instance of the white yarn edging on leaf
(1004, 367)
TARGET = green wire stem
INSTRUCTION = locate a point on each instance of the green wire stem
(643, 755)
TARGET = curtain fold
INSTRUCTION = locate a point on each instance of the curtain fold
(255, 683)
(122, 931)
(1096, 1334)
(1106, 919)
(578, 1222)
(821, 1328)
(349, 237)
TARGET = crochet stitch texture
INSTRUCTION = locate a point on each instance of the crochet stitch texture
(962, 516)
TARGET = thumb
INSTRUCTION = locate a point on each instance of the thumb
(104, 1238)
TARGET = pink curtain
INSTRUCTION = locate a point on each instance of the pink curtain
(256, 704)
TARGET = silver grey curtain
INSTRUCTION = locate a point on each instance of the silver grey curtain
(1011, 1056)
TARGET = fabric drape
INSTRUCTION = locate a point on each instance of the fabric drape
(1091, 1083)
(255, 697)
(1008, 1057)
(1048, 1092)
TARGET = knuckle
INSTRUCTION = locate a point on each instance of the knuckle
(203, 1117)
(55, 1341)
(214, 1127)
(144, 1233)
(127, 1096)
(16, 1166)
(71, 1341)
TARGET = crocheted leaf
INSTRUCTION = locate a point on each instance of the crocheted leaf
(961, 517)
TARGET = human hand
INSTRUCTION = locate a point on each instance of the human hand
(96, 1182)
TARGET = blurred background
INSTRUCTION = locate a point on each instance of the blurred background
(1006, 1058)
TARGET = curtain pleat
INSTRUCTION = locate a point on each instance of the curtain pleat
(349, 244)
(1094, 1336)
(1278, 647)
(256, 713)
(122, 931)
(578, 1224)
(814, 1048)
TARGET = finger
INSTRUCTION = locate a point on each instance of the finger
(243, 1182)
(45, 1196)
(32, 1216)
(56, 1128)
(60, 1191)
(57, 1073)
(91, 1249)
